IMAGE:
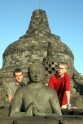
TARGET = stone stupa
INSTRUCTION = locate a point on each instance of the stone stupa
(33, 45)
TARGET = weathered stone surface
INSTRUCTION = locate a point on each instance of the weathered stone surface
(6, 120)
(36, 120)
(72, 112)
(71, 120)
(67, 119)
(4, 111)
(77, 100)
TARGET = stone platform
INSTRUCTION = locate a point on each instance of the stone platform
(68, 117)
(43, 120)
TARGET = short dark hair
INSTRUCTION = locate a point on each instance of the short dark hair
(17, 70)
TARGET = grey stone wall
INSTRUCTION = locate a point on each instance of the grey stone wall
(25, 58)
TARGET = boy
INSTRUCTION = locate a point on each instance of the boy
(61, 83)
(12, 87)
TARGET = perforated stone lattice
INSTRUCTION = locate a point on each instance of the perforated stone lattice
(51, 67)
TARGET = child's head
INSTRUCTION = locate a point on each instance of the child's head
(62, 68)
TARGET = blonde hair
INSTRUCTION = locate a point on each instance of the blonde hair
(65, 64)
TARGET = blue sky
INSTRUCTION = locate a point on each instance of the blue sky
(65, 20)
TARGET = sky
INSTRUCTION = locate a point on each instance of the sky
(65, 19)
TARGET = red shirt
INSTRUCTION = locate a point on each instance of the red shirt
(60, 84)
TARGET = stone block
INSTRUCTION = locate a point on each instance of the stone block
(77, 101)
(4, 111)
(6, 120)
(71, 120)
(36, 120)
(72, 112)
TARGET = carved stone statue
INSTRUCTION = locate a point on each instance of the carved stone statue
(38, 99)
